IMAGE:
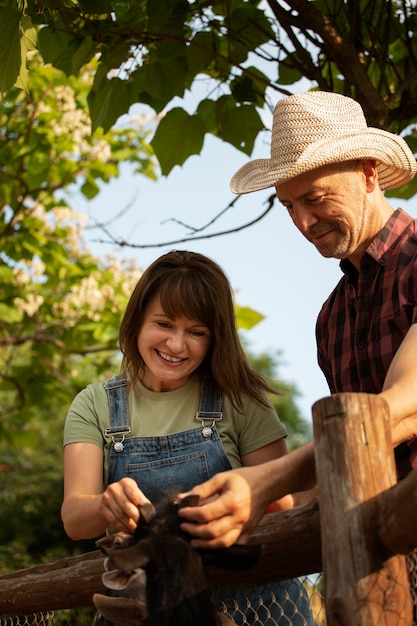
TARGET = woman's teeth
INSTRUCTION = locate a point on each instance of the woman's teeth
(171, 359)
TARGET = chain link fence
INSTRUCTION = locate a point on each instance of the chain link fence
(293, 607)
(412, 572)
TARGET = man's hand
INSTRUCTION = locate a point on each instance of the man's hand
(405, 430)
(232, 504)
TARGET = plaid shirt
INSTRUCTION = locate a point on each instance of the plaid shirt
(363, 322)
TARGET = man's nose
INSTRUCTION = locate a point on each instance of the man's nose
(303, 218)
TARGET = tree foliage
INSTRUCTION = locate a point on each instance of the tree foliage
(59, 306)
(249, 51)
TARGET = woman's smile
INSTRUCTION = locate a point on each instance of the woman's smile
(168, 357)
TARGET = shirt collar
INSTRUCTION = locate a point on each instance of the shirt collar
(384, 243)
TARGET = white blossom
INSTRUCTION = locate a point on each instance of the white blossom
(30, 305)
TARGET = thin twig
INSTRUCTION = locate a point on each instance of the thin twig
(122, 243)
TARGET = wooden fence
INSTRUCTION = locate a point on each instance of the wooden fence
(357, 533)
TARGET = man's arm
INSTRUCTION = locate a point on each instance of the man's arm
(237, 499)
(400, 389)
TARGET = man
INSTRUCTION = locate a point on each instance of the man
(329, 170)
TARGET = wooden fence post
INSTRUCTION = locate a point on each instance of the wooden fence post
(355, 463)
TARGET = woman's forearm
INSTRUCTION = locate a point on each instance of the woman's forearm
(82, 518)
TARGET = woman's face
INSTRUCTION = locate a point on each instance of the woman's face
(172, 349)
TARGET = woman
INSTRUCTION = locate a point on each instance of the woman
(186, 406)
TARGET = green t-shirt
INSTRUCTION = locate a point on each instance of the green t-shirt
(152, 413)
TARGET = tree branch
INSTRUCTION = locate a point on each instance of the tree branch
(123, 243)
(340, 51)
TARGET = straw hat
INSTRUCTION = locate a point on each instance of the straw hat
(318, 128)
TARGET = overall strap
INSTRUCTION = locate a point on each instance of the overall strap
(116, 389)
(210, 406)
(211, 401)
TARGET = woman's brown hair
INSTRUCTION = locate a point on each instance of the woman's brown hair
(193, 285)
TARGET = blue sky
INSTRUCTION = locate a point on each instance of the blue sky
(271, 267)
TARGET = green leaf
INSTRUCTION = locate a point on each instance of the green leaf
(248, 88)
(246, 317)
(58, 47)
(240, 126)
(405, 192)
(168, 16)
(90, 188)
(250, 28)
(200, 52)
(29, 33)
(207, 112)
(288, 74)
(38, 164)
(10, 50)
(160, 81)
(83, 54)
(28, 42)
(178, 136)
(108, 102)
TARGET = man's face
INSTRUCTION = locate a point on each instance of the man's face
(330, 207)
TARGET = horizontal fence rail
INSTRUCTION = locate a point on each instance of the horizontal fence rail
(291, 547)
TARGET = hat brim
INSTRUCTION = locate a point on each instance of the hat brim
(395, 162)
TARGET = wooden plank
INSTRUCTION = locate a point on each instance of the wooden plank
(70, 585)
(354, 465)
(397, 516)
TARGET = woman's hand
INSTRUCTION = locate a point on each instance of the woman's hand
(86, 510)
(119, 504)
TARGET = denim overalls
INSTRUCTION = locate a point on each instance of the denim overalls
(176, 463)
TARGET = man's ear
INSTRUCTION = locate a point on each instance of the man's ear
(370, 172)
